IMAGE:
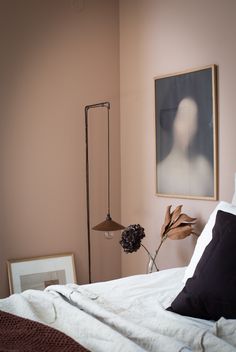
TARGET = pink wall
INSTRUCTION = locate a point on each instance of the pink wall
(159, 37)
(56, 62)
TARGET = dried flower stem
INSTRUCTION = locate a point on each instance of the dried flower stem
(153, 259)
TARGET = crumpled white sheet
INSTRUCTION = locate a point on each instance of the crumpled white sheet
(124, 315)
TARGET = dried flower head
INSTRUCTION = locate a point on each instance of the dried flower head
(131, 238)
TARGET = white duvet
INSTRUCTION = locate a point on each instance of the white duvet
(125, 315)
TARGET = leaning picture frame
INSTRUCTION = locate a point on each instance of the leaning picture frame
(186, 134)
(40, 272)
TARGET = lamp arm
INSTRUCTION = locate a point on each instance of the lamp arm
(104, 104)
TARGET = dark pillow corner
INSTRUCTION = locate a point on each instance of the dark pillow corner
(211, 292)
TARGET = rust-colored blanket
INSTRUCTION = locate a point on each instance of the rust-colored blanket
(23, 335)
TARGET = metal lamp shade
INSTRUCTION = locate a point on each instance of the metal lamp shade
(108, 225)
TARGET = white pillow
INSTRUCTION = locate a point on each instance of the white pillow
(234, 196)
(205, 238)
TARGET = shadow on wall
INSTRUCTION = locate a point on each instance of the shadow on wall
(28, 30)
(24, 27)
(53, 64)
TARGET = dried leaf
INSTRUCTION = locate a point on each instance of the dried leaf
(167, 221)
(178, 233)
(175, 214)
(183, 218)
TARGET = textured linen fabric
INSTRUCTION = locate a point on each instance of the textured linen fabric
(211, 292)
(126, 314)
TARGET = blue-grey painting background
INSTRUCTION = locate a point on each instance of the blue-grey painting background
(169, 91)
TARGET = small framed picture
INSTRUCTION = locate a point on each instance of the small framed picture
(39, 272)
(186, 134)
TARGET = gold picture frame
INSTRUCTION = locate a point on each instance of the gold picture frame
(40, 272)
(186, 134)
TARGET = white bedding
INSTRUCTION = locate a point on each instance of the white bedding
(124, 315)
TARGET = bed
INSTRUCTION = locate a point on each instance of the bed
(141, 312)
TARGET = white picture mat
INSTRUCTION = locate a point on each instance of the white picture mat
(43, 265)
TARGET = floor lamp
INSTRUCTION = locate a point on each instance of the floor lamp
(108, 226)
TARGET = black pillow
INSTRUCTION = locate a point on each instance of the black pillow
(211, 292)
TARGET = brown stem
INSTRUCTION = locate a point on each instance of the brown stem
(153, 260)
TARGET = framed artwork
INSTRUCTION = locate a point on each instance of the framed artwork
(186, 133)
(39, 272)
